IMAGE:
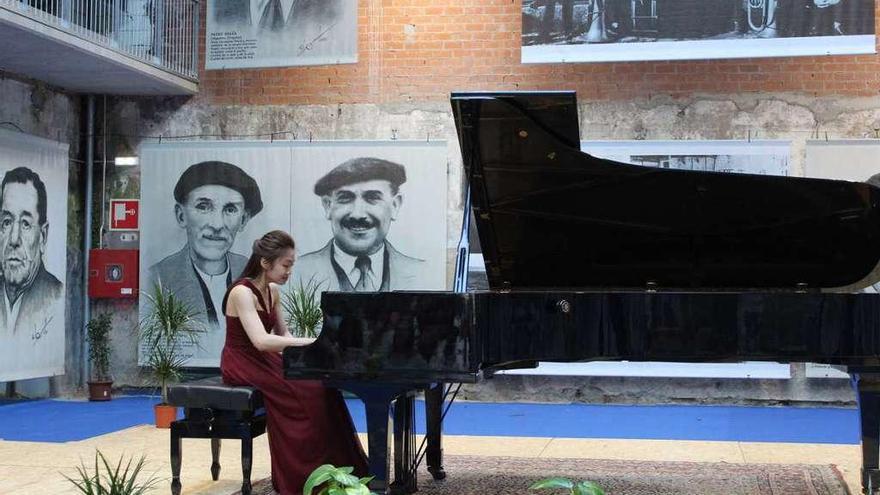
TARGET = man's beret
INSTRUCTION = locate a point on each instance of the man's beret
(221, 174)
(361, 170)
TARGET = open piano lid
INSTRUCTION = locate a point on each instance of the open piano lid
(551, 216)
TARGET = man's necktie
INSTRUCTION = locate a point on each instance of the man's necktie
(365, 282)
(273, 17)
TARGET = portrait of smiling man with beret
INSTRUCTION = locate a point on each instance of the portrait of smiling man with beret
(214, 201)
(361, 198)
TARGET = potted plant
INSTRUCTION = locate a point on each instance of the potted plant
(168, 327)
(98, 336)
(570, 487)
(114, 480)
(333, 480)
(303, 307)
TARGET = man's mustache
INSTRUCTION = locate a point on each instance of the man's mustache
(358, 223)
(217, 235)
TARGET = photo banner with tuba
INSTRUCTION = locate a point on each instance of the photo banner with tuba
(631, 30)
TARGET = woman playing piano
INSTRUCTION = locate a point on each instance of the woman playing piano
(308, 424)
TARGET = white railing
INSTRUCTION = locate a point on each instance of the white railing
(163, 33)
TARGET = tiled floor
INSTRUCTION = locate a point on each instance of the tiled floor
(30, 468)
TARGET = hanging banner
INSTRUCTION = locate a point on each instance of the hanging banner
(847, 159)
(205, 203)
(280, 33)
(33, 256)
(765, 157)
(625, 30)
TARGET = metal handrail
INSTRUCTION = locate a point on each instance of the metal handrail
(162, 33)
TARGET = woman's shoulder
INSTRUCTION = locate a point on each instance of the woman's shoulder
(240, 290)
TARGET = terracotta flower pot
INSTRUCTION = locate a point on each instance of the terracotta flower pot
(165, 415)
(100, 390)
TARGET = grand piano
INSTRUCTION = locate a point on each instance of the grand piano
(590, 259)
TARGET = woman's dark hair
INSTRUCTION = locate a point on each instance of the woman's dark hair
(271, 246)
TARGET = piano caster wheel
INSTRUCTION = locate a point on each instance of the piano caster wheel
(437, 473)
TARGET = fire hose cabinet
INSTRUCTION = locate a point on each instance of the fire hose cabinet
(113, 273)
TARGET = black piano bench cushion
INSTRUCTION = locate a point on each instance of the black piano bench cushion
(212, 393)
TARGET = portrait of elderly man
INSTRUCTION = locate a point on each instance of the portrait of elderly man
(29, 290)
(276, 15)
(361, 198)
(213, 202)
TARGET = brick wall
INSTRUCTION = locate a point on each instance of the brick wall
(421, 50)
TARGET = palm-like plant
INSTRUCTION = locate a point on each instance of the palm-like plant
(98, 335)
(303, 307)
(168, 325)
(115, 480)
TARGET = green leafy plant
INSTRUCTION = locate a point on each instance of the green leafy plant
(334, 480)
(573, 488)
(168, 326)
(98, 335)
(114, 480)
(303, 307)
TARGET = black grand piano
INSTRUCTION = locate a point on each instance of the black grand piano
(590, 259)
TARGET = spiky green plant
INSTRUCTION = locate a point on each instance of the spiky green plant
(573, 488)
(168, 325)
(336, 481)
(303, 307)
(114, 480)
(98, 336)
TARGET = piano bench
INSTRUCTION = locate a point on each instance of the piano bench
(215, 410)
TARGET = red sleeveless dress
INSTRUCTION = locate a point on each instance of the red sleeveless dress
(308, 424)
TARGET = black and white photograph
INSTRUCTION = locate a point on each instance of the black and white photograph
(366, 216)
(33, 257)
(761, 157)
(370, 216)
(217, 199)
(629, 30)
(846, 159)
(280, 33)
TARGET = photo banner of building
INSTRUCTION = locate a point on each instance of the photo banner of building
(625, 30)
(764, 157)
(280, 33)
(33, 256)
(374, 210)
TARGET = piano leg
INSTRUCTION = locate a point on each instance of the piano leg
(434, 430)
(868, 391)
(405, 479)
(377, 400)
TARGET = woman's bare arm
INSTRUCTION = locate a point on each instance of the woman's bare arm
(242, 304)
(281, 328)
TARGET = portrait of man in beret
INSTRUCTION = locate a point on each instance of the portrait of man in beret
(214, 201)
(361, 198)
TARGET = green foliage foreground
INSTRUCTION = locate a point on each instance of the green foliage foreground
(573, 488)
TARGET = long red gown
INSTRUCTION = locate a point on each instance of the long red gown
(308, 424)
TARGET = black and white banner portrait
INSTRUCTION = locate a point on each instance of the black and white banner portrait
(280, 33)
(379, 207)
(846, 159)
(33, 256)
(370, 216)
(627, 30)
(761, 157)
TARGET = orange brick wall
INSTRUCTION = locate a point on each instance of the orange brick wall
(475, 45)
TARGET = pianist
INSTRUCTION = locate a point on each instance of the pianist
(308, 424)
(361, 197)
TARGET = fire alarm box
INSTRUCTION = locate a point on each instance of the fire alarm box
(113, 273)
